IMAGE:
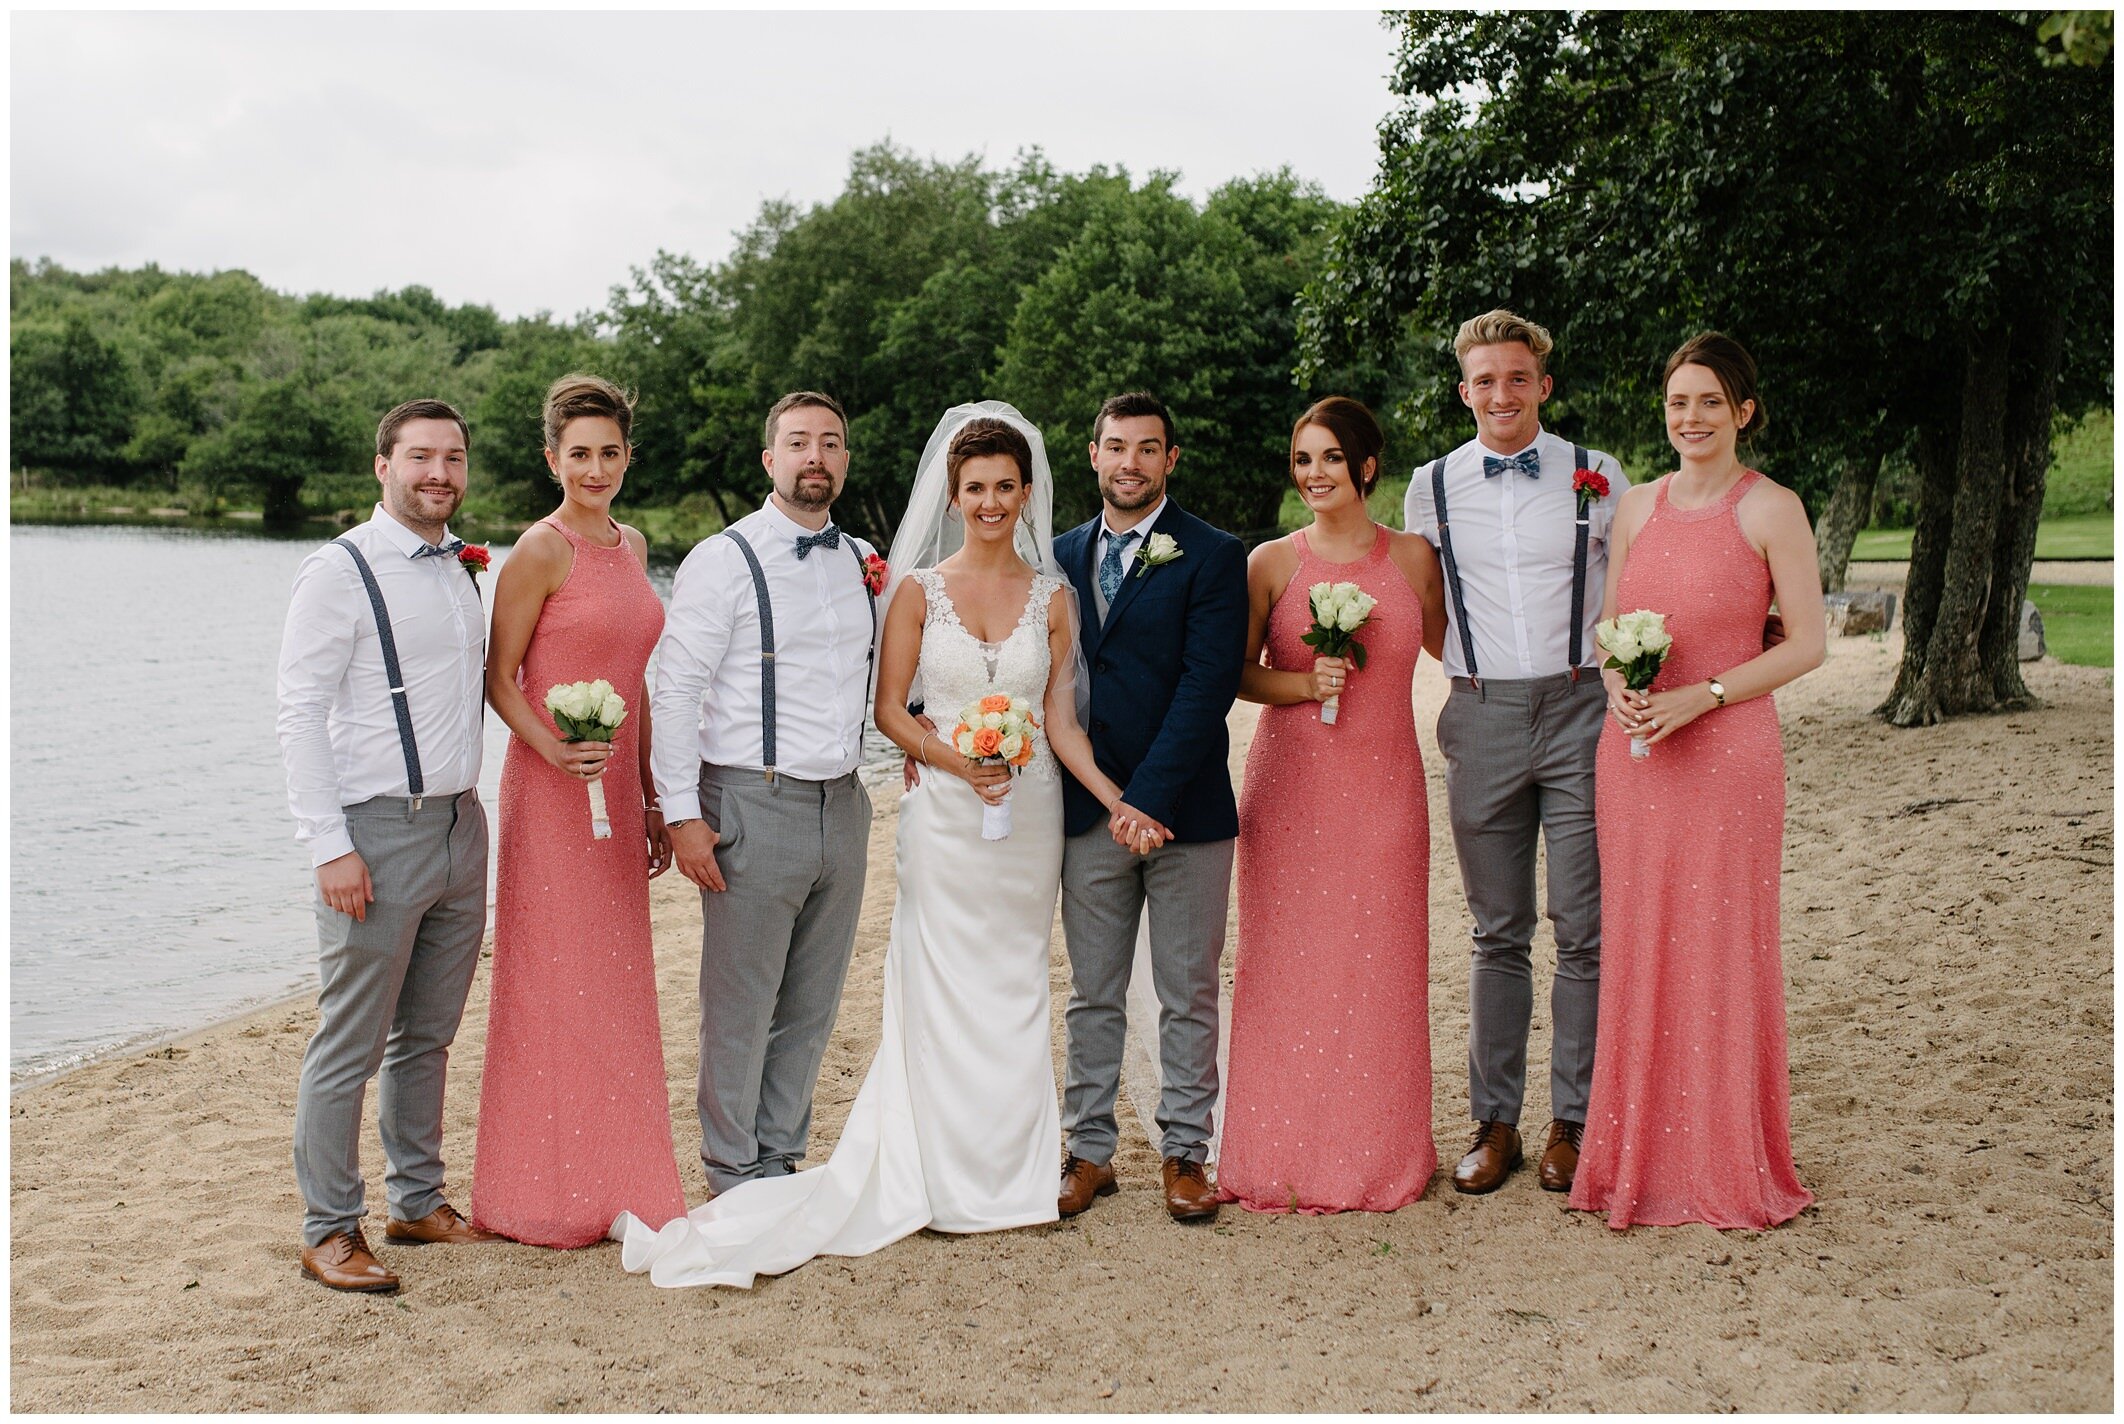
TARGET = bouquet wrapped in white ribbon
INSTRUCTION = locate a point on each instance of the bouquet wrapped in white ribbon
(589, 712)
(1636, 644)
(1340, 611)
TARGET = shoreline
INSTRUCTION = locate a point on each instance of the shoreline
(1949, 989)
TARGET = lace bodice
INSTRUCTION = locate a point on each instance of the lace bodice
(956, 667)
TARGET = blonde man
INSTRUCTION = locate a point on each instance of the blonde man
(1525, 558)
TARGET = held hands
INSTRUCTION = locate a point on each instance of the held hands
(693, 846)
(1329, 675)
(1135, 832)
(344, 884)
(1657, 715)
(1773, 631)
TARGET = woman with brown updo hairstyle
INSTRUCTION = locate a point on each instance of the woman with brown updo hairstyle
(1328, 1096)
(574, 1114)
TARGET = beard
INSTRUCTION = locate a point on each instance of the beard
(810, 490)
(1144, 498)
(411, 506)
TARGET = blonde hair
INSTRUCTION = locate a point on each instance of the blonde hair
(1495, 328)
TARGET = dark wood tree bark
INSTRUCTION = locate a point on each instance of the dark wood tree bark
(1948, 678)
(1845, 515)
(2031, 401)
(1935, 456)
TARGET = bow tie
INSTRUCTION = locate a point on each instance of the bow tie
(827, 538)
(439, 551)
(1527, 462)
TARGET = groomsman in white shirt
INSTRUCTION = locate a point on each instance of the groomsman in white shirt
(1525, 557)
(767, 653)
(381, 669)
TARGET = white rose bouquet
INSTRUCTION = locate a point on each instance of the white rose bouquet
(1637, 645)
(589, 712)
(996, 728)
(1340, 611)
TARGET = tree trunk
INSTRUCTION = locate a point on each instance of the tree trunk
(1949, 678)
(2039, 348)
(1845, 515)
(1935, 457)
(283, 501)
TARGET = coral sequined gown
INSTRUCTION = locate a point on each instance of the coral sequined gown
(574, 1113)
(1328, 1094)
(1690, 1113)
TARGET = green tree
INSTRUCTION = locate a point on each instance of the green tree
(1906, 218)
(73, 397)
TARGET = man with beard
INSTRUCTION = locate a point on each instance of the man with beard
(1163, 596)
(766, 660)
(381, 692)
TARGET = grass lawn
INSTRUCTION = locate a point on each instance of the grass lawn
(2077, 622)
(2075, 536)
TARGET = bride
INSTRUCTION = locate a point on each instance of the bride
(955, 1125)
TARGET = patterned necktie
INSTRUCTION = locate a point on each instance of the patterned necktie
(1527, 462)
(827, 538)
(1110, 565)
(439, 551)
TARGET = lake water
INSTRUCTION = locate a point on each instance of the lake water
(157, 886)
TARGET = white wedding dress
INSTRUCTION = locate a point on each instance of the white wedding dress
(956, 1126)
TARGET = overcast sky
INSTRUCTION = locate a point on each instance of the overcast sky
(527, 160)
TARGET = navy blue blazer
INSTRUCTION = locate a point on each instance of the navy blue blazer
(1164, 672)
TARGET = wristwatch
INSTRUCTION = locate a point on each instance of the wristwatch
(1718, 690)
(674, 825)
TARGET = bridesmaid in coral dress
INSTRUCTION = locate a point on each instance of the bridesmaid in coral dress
(1328, 1095)
(574, 1113)
(1690, 1114)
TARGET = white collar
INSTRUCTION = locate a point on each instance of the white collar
(1141, 529)
(401, 538)
(1539, 433)
(782, 525)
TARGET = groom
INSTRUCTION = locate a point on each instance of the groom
(1164, 609)
(763, 680)
(1525, 560)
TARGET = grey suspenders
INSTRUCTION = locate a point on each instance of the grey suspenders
(759, 593)
(1452, 569)
(391, 672)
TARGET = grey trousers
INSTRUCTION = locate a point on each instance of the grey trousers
(1103, 892)
(391, 989)
(774, 954)
(1519, 764)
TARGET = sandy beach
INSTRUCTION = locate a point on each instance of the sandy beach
(1948, 951)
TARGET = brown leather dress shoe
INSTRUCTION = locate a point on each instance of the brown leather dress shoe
(1559, 1160)
(1082, 1181)
(344, 1262)
(1188, 1193)
(440, 1227)
(1491, 1157)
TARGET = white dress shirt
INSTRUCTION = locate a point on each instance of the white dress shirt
(338, 729)
(1141, 529)
(711, 651)
(1514, 538)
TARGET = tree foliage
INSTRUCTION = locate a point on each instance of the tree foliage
(1906, 218)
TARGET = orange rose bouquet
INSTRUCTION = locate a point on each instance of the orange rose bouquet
(996, 728)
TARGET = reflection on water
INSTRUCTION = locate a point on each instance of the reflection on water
(157, 886)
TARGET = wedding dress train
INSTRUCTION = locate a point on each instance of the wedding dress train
(956, 1124)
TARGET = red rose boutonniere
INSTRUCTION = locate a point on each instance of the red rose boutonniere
(474, 558)
(874, 572)
(1588, 485)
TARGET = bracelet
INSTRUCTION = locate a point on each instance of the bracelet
(648, 806)
(922, 748)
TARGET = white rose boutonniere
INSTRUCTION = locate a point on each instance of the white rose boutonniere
(1159, 549)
